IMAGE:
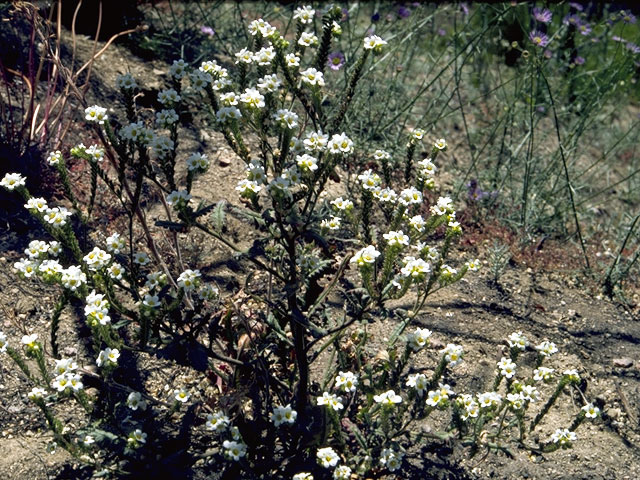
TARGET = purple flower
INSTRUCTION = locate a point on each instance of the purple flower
(577, 6)
(207, 30)
(579, 60)
(403, 12)
(465, 8)
(572, 19)
(548, 54)
(335, 60)
(633, 47)
(345, 15)
(375, 17)
(442, 32)
(628, 17)
(540, 109)
(538, 38)
(476, 194)
(542, 15)
(584, 29)
(616, 38)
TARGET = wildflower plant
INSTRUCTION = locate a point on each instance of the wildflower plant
(333, 263)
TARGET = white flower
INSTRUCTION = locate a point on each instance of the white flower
(178, 69)
(282, 415)
(161, 145)
(440, 396)
(419, 338)
(306, 162)
(141, 258)
(57, 216)
(307, 39)
(234, 450)
(543, 373)
(36, 393)
(73, 277)
(366, 256)
(381, 155)
(135, 401)
(96, 114)
(572, 375)
(302, 476)
(261, 27)
(452, 354)
(331, 400)
(530, 393)
(417, 134)
(311, 76)
(286, 119)
(26, 267)
(136, 438)
(419, 382)
(3, 342)
(178, 198)
(414, 268)
(374, 42)
(248, 187)
(440, 144)
(96, 259)
(228, 113)
(391, 459)
(38, 204)
(197, 162)
(332, 223)
(474, 266)
(181, 395)
(410, 196)
(37, 249)
(327, 457)
(546, 348)
(564, 437)
(427, 168)
(115, 271)
(417, 222)
(108, 356)
(590, 410)
(516, 400)
(342, 473)
(387, 195)
(340, 144)
(96, 152)
(269, 83)
(388, 398)
(292, 60)
(244, 56)
(443, 207)
(217, 421)
(166, 117)
(252, 98)
(168, 96)
(507, 367)
(348, 381)
(65, 365)
(151, 301)
(154, 280)
(518, 340)
(125, 82)
(54, 157)
(264, 56)
(316, 141)
(396, 238)
(341, 204)
(489, 399)
(304, 15)
(189, 279)
(369, 180)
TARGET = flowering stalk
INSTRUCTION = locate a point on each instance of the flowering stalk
(55, 321)
(327, 35)
(351, 89)
(564, 381)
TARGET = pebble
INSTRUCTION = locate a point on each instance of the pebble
(624, 362)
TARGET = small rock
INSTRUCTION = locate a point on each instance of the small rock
(224, 161)
(614, 413)
(624, 362)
